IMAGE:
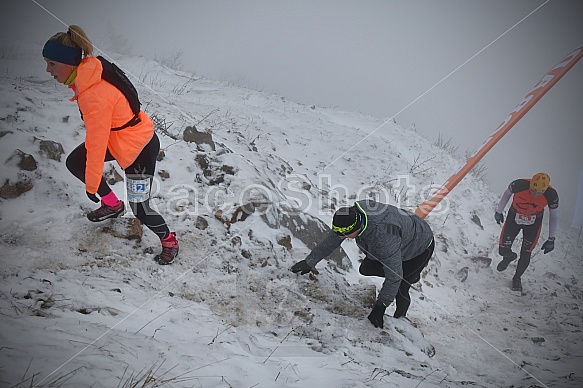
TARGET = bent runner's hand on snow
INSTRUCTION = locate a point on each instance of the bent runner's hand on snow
(303, 268)
(376, 315)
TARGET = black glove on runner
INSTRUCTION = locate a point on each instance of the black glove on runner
(548, 246)
(92, 197)
(377, 313)
(302, 267)
(499, 217)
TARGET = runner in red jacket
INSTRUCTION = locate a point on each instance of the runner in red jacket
(135, 148)
(530, 197)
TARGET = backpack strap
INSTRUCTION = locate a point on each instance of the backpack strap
(134, 121)
(115, 76)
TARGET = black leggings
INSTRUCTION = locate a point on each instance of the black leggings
(530, 235)
(411, 274)
(142, 168)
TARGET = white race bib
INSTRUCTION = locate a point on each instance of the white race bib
(522, 219)
(138, 190)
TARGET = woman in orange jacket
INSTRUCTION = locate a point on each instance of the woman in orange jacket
(104, 108)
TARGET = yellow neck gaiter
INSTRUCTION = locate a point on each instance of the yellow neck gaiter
(71, 78)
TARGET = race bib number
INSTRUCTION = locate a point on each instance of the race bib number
(522, 219)
(138, 190)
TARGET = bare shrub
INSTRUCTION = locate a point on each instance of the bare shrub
(172, 61)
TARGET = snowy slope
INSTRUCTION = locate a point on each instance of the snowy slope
(81, 307)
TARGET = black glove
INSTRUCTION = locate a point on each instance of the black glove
(548, 246)
(303, 268)
(376, 315)
(92, 197)
(499, 217)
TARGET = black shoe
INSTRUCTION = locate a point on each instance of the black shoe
(105, 212)
(505, 261)
(516, 284)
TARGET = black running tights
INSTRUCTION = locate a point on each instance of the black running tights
(142, 168)
(411, 274)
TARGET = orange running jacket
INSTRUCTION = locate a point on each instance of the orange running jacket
(104, 107)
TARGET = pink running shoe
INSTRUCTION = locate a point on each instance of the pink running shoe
(169, 250)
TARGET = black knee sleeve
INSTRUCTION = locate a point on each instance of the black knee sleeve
(370, 267)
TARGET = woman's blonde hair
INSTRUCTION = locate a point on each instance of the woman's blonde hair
(75, 37)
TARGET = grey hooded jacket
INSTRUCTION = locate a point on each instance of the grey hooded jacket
(390, 235)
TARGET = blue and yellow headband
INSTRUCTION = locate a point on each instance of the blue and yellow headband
(58, 52)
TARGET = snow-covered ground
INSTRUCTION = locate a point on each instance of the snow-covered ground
(82, 306)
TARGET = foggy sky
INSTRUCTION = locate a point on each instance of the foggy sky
(375, 57)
